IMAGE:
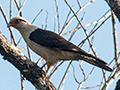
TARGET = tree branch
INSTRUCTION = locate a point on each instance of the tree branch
(28, 68)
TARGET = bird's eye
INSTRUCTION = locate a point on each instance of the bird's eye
(18, 20)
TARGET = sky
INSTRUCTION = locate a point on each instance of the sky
(103, 41)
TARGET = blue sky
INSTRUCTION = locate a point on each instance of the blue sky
(103, 41)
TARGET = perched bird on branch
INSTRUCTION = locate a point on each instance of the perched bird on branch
(51, 46)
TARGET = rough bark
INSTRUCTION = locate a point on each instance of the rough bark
(115, 6)
(29, 69)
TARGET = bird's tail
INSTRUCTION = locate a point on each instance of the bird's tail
(96, 61)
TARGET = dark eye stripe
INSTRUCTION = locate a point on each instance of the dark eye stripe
(18, 20)
(22, 20)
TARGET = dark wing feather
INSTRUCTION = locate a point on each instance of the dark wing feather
(52, 40)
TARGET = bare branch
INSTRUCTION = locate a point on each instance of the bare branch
(63, 28)
(20, 8)
(64, 75)
(55, 22)
(81, 26)
(115, 39)
(57, 12)
(95, 29)
(90, 87)
(74, 75)
(110, 80)
(36, 16)
(56, 69)
(117, 72)
(19, 41)
(6, 20)
(10, 9)
(29, 69)
(79, 3)
(65, 23)
(17, 4)
(82, 70)
(73, 33)
(95, 22)
(38, 61)
(22, 82)
(46, 20)
(29, 53)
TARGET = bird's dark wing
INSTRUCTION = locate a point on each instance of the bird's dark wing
(52, 40)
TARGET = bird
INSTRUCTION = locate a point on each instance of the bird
(51, 46)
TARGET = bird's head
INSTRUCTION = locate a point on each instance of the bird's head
(18, 23)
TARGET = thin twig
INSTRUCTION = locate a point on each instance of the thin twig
(17, 4)
(23, 48)
(115, 39)
(102, 82)
(11, 15)
(55, 22)
(85, 78)
(64, 75)
(56, 69)
(37, 16)
(63, 28)
(38, 61)
(57, 15)
(110, 80)
(76, 30)
(81, 26)
(19, 41)
(10, 9)
(29, 53)
(83, 72)
(73, 33)
(117, 72)
(95, 22)
(66, 19)
(22, 82)
(46, 20)
(92, 39)
(74, 75)
(20, 8)
(104, 76)
(43, 63)
(79, 3)
(6, 20)
(95, 29)
(90, 87)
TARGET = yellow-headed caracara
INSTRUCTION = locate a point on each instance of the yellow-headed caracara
(51, 46)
